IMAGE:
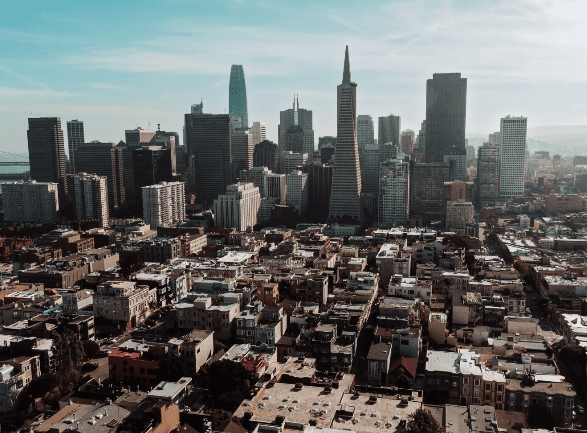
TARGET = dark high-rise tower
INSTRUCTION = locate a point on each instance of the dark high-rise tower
(390, 128)
(302, 119)
(47, 153)
(237, 96)
(446, 109)
(75, 138)
(345, 198)
(209, 142)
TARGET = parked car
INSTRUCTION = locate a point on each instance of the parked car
(580, 409)
(109, 341)
(528, 311)
(90, 366)
(142, 329)
(150, 322)
(105, 352)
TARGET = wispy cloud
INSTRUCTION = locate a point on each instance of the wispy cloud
(14, 92)
(103, 86)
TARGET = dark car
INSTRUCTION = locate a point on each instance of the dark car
(90, 366)
(150, 322)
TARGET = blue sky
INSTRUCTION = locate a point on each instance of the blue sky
(118, 65)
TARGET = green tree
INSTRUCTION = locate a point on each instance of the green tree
(227, 382)
(404, 381)
(422, 421)
(572, 355)
(69, 357)
(91, 348)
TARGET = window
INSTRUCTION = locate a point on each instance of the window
(455, 384)
(500, 387)
(477, 382)
(487, 396)
(465, 391)
(465, 380)
(488, 387)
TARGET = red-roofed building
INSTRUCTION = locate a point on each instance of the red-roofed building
(402, 366)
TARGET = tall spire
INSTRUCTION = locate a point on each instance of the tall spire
(346, 75)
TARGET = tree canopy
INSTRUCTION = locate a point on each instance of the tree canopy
(422, 421)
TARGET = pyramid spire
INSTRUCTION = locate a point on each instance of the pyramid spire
(346, 75)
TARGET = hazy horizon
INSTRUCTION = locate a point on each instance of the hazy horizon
(118, 66)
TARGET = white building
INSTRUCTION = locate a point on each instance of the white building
(164, 203)
(238, 207)
(271, 185)
(458, 214)
(90, 194)
(124, 303)
(297, 191)
(258, 132)
(30, 202)
(512, 156)
(394, 193)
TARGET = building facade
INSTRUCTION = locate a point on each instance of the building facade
(345, 199)
(31, 202)
(237, 96)
(164, 203)
(238, 207)
(302, 118)
(90, 193)
(75, 138)
(390, 129)
(394, 193)
(266, 154)
(512, 156)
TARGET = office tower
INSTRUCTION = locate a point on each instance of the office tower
(488, 172)
(470, 150)
(163, 203)
(365, 131)
(297, 191)
(237, 97)
(459, 214)
(242, 150)
(419, 151)
(181, 159)
(387, 151)
(327, 140)
(168, 140)
(296, 116)
(238, 207)
(390, 129)
(208, 140)
(345, 198)
(31, 202)
(139, 135)
(446, 109)
(319, 189)
(294, 139)
(75, 138)
(426, 198)
(259, 133)
(152, 164)
(394, 193)
(198, 108)
(408, 140)
(512, 156)
(327, 154)
(495, 138)
(271, 185)
(47, 153)
(289, 161)
(104, 159)
(266, 154)
(458, 190)
(370, 169)
(90, 194)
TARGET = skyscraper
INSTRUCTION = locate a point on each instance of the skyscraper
(238, 207)
(345, 199)
(488, 172)
(302, 118)
(370, 169)
(30, 202)
(512, 156)
(319, 189)
(427, 190)
(152, 164)
(208, 141)
(242, 148)
(390, 129)
(446, 112)
(394, 193)
(104, 159)
(163, 203)
(365, 132)
(259, 133)
(47, 153)
(266, 154)
(237, 96)
(408, 141)
(90, 193)
(75, 137)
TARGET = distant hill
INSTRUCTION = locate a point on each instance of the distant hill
(558, 131)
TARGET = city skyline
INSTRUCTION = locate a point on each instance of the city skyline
(141, 77)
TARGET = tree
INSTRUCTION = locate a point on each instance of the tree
(69, 357)
(572, 355)
(172, 369)
(227, 382)
(422, 421)
(404, 381)
(91, 348)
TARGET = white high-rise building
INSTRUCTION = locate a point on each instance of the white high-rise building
(258, 132)
(30, 202)
(271, 185)
(238, 207)
(164, 203)
(394, 193)
(512, 156)
(90, 193)
(297, 191)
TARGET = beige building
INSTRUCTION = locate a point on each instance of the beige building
(238, 207)
(124, 303)
(164, 203)
(194, 349)
(459, 214)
